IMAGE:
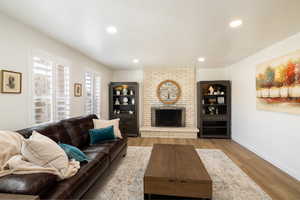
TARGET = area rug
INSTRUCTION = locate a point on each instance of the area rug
(126, 181)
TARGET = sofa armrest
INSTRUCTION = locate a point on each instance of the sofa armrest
(18, 197)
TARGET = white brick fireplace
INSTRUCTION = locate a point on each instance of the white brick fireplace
(186, 79)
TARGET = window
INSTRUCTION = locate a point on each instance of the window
(92, 93)
(50, 91)
(62, 98)
(97, 100)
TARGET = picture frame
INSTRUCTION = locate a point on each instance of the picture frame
(77, 89)
(278, 84)
(11, 82)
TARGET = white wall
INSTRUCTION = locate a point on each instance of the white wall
(213, 74)
(128, 76)
(17, 43)
(272, 135)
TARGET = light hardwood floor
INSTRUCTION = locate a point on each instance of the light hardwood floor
(279, 185)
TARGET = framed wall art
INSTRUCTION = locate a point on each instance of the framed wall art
(77, 89)
(278, 84)
(11, 82)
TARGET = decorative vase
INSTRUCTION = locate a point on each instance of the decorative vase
(125, 91)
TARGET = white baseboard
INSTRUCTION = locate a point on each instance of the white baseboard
(271, 160)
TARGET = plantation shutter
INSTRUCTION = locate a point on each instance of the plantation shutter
(89, 95)
(97, 97)
(62, 94)
(42, 90)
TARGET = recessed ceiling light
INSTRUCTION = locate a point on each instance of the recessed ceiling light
(201, 59)
(135, 61)
(111, 30)
(236, 23)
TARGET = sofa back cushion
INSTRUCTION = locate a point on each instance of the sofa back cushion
(55, 131)
(78, 129)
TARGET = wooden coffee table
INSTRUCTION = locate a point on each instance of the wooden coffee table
(174, 172)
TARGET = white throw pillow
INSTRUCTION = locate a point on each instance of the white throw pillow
(43, 151)
(99, 123)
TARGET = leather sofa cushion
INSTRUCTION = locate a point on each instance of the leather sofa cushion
(111, 147)
(65, 189)
(30, 184)
(78, 130)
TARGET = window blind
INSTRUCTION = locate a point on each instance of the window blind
(89, 93)
(62, 95)
(42, 90)
(92, 93)
(51, 96)
(97, 97)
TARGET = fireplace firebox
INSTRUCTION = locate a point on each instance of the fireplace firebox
(168, 116)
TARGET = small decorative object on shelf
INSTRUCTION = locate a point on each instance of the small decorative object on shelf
(123, 104)
(214, 109)
(212, 101)
(211, 90)
(131, 92)
(125, 101)
(125, 90)
(211, 110)
(221, 100)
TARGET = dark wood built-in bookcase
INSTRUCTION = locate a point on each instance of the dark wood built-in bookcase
(124, 104)
(214, 109)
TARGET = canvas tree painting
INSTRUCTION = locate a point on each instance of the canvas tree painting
(278, 84)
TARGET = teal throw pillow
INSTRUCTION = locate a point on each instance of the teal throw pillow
(102, 134)
(74, 153)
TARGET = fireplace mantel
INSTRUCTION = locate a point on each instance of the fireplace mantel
(169, 132)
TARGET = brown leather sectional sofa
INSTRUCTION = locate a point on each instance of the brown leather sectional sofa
(73, 131)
